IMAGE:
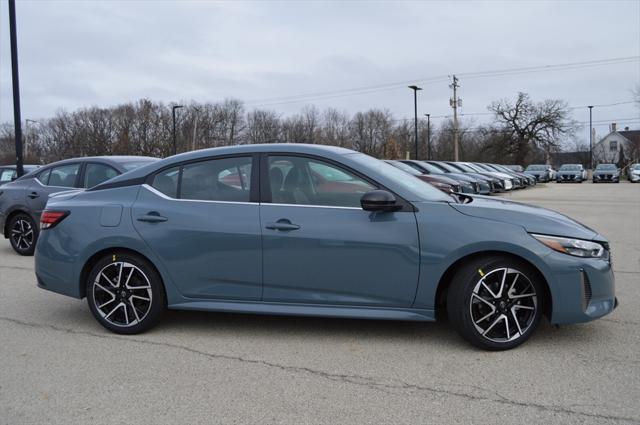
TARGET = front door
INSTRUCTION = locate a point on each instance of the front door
(199, 220)
(319, 246)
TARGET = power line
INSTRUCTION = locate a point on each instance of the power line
(322, 95)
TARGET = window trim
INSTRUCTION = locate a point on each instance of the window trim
(265, 184)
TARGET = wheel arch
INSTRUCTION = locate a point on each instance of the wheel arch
(88, 265)
(447, 277)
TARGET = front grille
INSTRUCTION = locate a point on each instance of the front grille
(586, 290)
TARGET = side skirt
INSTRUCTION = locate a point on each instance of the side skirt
(351, 312)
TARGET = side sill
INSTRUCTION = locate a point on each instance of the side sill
(314, 310)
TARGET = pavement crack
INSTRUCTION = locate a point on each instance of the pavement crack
(16, 268)
(369, 382)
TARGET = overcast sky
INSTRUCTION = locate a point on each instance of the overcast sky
(102, 53)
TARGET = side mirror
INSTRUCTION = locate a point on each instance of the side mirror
(379, 200)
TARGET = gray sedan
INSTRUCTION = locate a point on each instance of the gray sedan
(606, 173)
(22, 201)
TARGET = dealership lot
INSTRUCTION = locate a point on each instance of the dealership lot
(60, 366)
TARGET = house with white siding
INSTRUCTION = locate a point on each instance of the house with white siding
(618, 147)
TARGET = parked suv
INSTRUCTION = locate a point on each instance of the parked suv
(22, 201)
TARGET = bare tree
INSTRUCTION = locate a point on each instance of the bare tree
(543, 125)
(262, 127)
(370, 130)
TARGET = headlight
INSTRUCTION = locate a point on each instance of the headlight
(575, 247)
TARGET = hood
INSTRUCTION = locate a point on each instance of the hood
(598, 172)
(533, 219)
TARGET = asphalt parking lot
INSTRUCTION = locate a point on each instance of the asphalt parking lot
(59, 366)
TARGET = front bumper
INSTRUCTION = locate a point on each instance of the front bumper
(634, 177)
(606, 178)
(584, 289)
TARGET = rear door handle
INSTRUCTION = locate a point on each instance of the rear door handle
(282, 224)
(34, 195)
(152, 217)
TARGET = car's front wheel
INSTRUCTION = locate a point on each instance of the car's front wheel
(495, 303)
(125, 293)
(23, 234)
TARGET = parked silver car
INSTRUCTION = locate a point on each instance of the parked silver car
(571, 173)
(633, 173)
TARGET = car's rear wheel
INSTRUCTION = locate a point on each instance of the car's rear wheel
(125, 293)
(23, 234)
(495, 302)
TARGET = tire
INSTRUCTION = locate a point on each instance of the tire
(125, 293)
(23, 234)
(484, 314)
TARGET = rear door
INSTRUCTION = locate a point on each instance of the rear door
(202, 220)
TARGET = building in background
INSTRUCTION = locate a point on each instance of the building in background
(618, 147)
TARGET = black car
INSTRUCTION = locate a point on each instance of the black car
(23, 200)
(8, 173)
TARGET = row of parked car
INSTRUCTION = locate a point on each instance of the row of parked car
(576, 173)
(467, 177)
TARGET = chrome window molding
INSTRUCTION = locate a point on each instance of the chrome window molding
(162, 195)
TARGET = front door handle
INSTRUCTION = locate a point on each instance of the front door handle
(34, 195)
(282, 224)
(152, 217)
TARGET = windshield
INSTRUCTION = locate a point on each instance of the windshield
(570, 167)
(536, 168)
(466, 168)
(404, 167)
(606, 167)
(423, 190)
(447, 168)
(635, 167)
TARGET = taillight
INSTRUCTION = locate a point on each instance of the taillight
(49, 218)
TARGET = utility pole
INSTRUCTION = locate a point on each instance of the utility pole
(415, 116)
(455, 102)
(428, 136)
(17, 120)
(590, 136)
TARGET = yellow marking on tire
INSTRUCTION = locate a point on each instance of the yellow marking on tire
(479, 270)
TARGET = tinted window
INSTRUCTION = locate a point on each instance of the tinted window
(536, 168)
(64, 175)
(606, 167)
(306, 181)
(167, 182)
(6, 174)
(570, 167)
(227, 179)
(94, 174)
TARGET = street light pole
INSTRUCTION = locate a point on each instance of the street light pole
(17, 120)
(415, 112)
(591, 136)
(173, 114)
(26, 136)
(428, 136)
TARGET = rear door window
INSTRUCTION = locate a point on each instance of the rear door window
(64, 175)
